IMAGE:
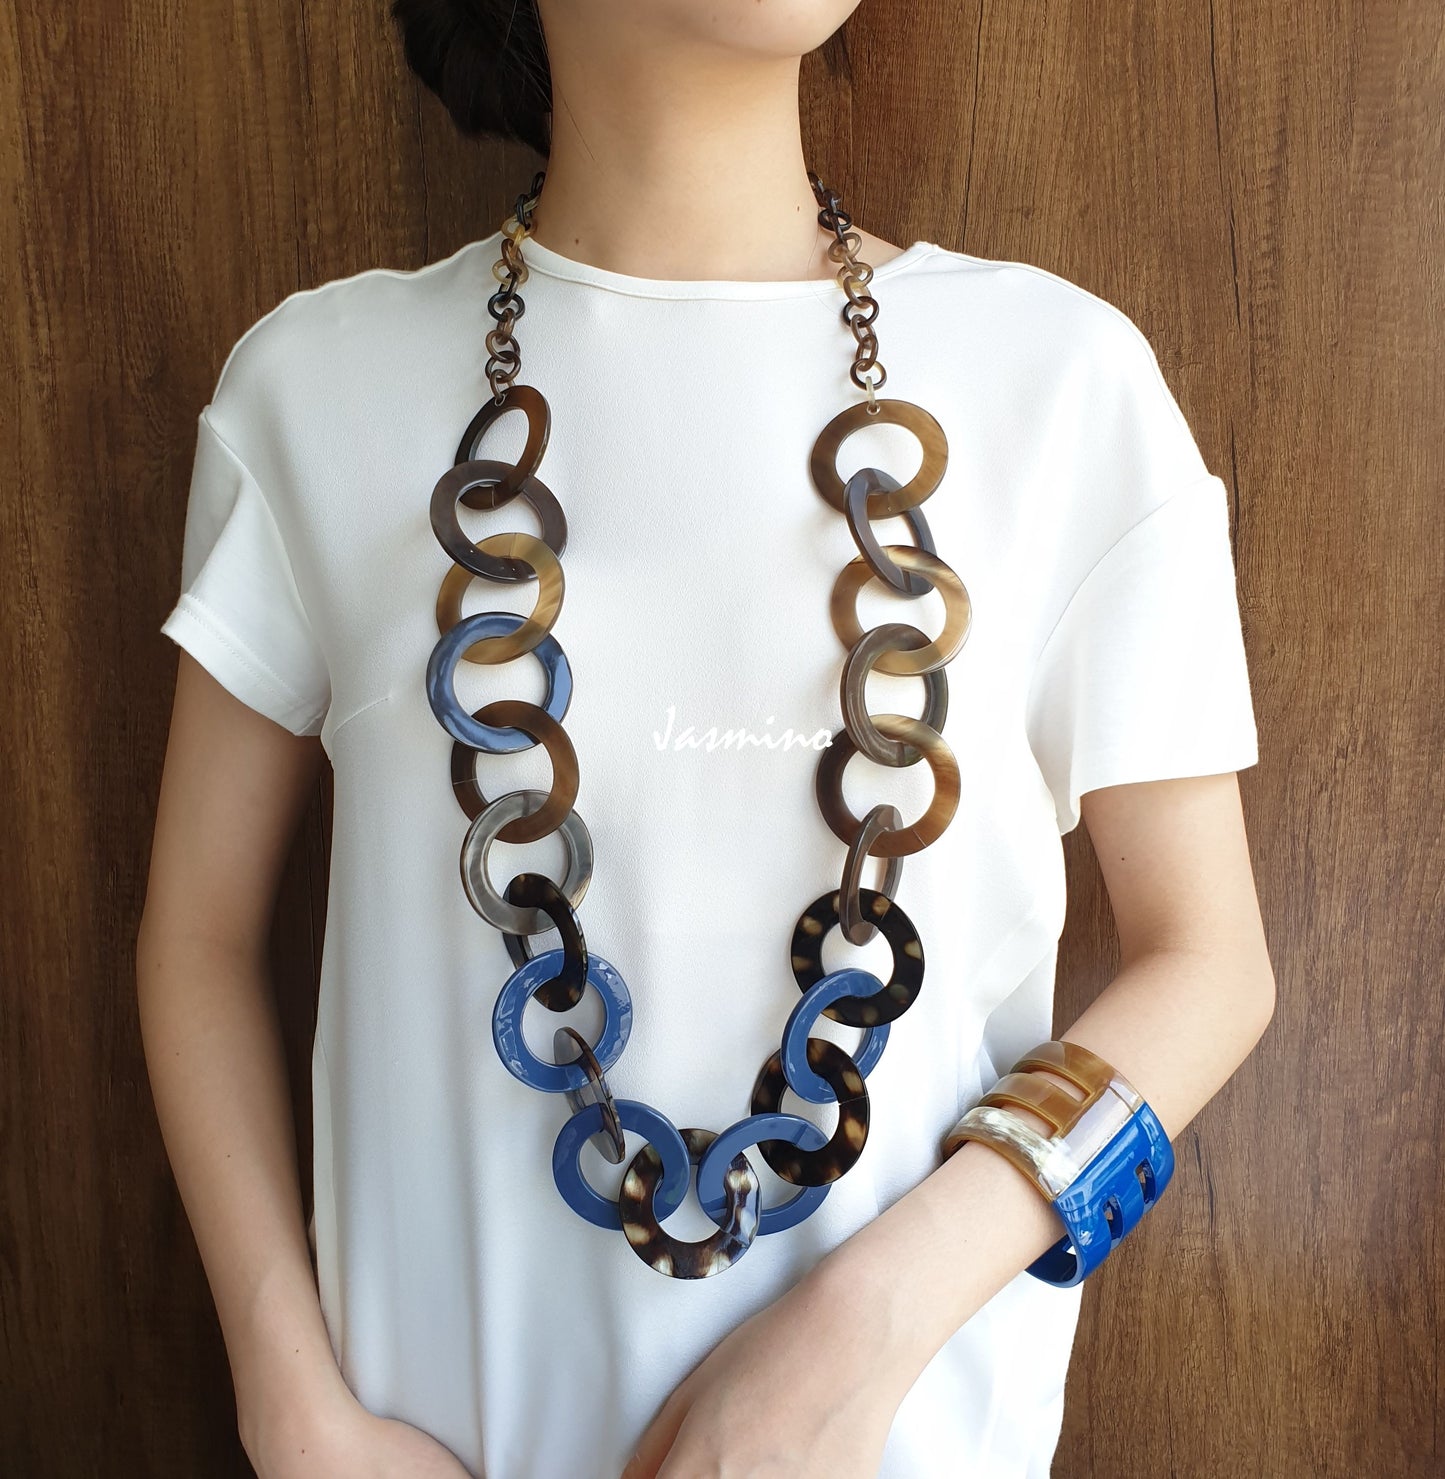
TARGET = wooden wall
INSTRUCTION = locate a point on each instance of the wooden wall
(1258, 186)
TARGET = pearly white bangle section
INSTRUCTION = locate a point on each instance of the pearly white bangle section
(1054, 1163)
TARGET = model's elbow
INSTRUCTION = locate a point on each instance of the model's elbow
(1258, 1001)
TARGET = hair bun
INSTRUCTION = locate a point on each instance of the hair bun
(487, 62)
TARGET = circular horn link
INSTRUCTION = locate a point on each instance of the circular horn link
(957, 610)
(533, 404)
(508, 545)
(850, 1135)
(515, 713)
(824, 461)
(861, 660)
(477, 845)
(471, 483)
(891, 842)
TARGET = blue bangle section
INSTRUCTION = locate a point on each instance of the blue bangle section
(1107, 1199)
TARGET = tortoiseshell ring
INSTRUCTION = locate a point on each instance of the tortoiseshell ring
(537, 891)
(670, 1255)
(850, 1134)
(903, 985)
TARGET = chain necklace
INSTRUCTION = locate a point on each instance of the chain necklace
(816, 1069)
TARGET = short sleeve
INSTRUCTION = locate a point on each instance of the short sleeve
(239, 613)
(1144, 676)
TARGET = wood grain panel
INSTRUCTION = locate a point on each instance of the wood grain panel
(1258, 187)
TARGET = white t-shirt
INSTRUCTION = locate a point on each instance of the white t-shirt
(461, 1292)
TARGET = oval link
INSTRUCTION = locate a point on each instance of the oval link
(551, 521)
(533, 405)
(608, 1141)
(469, 480)
(868, 480)
(849, 983)
(536, 891)
(856, 929)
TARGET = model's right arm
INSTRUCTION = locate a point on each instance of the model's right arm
(233, 789)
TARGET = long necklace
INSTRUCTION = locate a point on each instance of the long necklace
(815, 1068)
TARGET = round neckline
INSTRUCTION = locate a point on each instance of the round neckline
(549, 262)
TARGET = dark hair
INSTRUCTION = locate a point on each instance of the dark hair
(487, 61)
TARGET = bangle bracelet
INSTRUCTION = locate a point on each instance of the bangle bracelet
(1105, 1164)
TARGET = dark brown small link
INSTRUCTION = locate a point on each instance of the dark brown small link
(505, 358)
(609, 1141)
(861, 308)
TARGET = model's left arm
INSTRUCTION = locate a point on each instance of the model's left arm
(1194, 994)
(811, 1383)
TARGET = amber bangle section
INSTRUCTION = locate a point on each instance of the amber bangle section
(1084, 1127)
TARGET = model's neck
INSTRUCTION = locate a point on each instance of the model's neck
(671, 170)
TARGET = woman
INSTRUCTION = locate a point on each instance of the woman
(681, 315)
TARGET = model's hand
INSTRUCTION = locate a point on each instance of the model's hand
(337, 1438)
(793, 1393)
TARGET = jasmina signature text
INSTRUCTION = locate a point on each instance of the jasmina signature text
(712, 738)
